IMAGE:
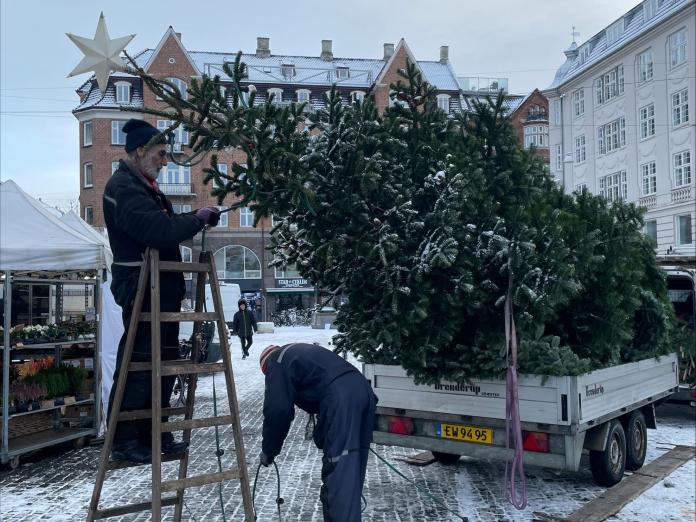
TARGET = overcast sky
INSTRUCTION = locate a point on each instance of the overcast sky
(520, 40)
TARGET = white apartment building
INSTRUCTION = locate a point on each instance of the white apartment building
(623, 118)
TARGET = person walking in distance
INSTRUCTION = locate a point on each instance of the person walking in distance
(138, 215)
(244, 326)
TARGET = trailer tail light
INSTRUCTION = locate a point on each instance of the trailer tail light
(693, 394)
(536, 441)
(400, 425)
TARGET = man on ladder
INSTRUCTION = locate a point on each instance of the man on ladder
(138, 215)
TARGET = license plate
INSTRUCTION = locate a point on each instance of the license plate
(464, 433)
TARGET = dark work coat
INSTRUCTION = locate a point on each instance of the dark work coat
(244, 323)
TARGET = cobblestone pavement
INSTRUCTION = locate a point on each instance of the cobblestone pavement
(58, 485)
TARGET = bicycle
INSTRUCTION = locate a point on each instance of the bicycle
(207, 332)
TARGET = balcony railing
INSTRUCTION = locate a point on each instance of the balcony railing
(177, 189)
(681, 194)
(485, 85)
(648, 201)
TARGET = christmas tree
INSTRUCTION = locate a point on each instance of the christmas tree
(427, 223)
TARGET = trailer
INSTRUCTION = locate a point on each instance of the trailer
(681, 286)
(606, 412)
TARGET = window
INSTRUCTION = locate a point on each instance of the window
(181, 209)
(114, 167)
(287, 272)
(237, 262)
(649, 9)
(680, 107)
(647, 121)
(342, 73)
(179, 84)
(87, 134)
(614, 32)
(651, 230)
(648, 175)
(584, 52)
(224, 219)
(443, 102)
(580, 187)
(645, 66)
(578, 102)
(89, 182)
(180, 134)
(357, 96)
(611, 136)
(118, 137)
(89, 215)
(277, 95)
(123, 92)
(174, 174)
(559, 158)
(580, 149)
(677, 48)
(613, 187)
(536, 135)
(557, 111)
(246, 217)
(186, 255)
(682, 168)
(684, 230)
(287, 70)
(610, 85)
(303, 96)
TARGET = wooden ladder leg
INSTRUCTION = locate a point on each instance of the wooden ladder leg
(156, 382)
(231, 392)
(190, 395)
(120, 387)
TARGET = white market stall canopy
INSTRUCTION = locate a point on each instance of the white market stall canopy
(33, 239)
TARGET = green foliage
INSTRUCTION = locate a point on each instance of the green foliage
(427, 223)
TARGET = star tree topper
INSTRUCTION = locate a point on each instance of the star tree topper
(101, 53)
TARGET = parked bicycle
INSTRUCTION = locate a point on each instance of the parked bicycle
(207, 331)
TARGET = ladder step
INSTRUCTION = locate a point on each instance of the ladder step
(178, 367)
(200, 480)
(175, 317)
(174, 266)
(120, 464)
(197, 423)
(132, 508)
(147, 414)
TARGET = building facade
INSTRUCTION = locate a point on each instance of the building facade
(622, 120)
(239, 246)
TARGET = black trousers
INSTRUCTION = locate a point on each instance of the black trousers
(138, 392)
(246, 343)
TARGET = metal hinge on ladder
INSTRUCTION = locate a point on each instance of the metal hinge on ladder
(191, 368)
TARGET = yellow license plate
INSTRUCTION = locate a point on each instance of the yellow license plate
(464, 433)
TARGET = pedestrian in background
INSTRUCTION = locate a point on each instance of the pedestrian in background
(244, 326)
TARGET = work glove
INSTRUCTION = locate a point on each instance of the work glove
(209, 215)
(264, 460)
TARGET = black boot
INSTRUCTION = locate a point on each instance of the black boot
(131, 451)
(170, 446)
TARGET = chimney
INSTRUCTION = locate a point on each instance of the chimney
(326, 52)
(178, 35)
(388, 50)
(444, 53)
(262, 47)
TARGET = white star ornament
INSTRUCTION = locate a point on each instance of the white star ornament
(101, 53)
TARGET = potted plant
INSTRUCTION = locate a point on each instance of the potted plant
(77, 377)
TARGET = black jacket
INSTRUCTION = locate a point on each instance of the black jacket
(137, 216)
(300, 376)
(243, 323)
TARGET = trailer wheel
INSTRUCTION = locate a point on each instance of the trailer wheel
(608, 466)
(445, 458)
(636, 441)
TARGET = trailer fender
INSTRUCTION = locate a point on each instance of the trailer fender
(596, 438)
(650, 418)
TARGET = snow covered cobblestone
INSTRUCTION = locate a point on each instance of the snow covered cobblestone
(58, 486)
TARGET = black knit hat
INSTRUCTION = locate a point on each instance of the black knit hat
(139, 133)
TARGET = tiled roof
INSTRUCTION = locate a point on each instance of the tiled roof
(94, 97)
(634, 27)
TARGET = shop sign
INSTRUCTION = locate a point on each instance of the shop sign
(292, 283)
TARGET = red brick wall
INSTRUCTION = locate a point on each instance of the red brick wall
(518, 117)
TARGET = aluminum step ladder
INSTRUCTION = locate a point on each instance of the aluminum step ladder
(205, 269)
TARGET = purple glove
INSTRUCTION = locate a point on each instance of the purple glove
(209, 215)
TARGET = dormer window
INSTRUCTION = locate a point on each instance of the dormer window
(277, 95)
(303, 96)
(614, 32)
(287, 70)
(342, 73)
(650, 9)
(123, 92)
(584, 52)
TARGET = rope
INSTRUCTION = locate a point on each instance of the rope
(279, 500)
(515, 468)
(425, 492)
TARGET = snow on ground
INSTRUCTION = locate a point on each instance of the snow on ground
(57, 485)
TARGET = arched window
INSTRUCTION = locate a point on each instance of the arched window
(277, 95)
(237, 262)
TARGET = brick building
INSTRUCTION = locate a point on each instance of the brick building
(239, 247)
